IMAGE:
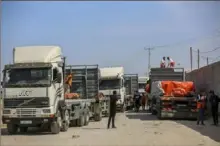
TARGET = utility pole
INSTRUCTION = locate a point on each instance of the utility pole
(149, 55)
(191, 58)
(207, 60)
(198, 58)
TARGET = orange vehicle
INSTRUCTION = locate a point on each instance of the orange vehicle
(169, 95)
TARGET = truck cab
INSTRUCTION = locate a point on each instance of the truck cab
(111, 79)
(142, 81)
(33, 89)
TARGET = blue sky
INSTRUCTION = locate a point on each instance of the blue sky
(114, 33)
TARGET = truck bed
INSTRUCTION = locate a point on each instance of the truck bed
(85, 80)
(131, 83)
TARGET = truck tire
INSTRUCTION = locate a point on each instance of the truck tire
(56, 125)
(98, 117)
(12, 128)
(81, 121)
(66, 121)
(86, 119)
(73, 123)
(159, 115)
(23, 129)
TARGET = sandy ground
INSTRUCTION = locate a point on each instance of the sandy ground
(133, 129)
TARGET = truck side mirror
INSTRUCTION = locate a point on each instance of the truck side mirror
(59, 78)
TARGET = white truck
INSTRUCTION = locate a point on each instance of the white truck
(34, 92)
(112, 79)
(142, 81)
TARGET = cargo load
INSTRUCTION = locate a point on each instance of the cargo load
(171, 88)
(72, 96)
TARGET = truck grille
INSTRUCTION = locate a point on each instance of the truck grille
(37, 102)
(26, 112)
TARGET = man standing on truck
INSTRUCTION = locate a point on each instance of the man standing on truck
(163, 63)
(214, 100)
(171, 63)
(201, 100)
(113, 100)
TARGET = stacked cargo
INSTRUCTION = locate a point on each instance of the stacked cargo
(171, 88)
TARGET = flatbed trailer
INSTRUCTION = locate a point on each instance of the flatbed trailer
(85, 82)
(171, 107)
(131, 85)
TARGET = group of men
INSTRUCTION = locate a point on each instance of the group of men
(202, 104)
(171, 63)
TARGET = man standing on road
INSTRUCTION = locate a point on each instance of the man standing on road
(137, 98)
(201, 99)
(214, 100)
(113, 100)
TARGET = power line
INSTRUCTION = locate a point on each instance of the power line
(217, 48)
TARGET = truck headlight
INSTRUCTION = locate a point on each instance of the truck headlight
(6, 112)
(46, 110)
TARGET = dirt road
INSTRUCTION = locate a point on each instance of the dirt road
(132, 129)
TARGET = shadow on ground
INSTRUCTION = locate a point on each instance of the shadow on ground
(142, 115)
(30, 132)
(208, 130)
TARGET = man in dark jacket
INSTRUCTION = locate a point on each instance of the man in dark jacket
(113, 100)
(214, 100)
(137, 98)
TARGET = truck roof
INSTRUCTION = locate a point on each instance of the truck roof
(142, 79)
(43, 54)
(111, 72)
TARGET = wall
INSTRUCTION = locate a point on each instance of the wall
(207, 78)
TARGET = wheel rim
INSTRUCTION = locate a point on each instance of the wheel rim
(87, 117)
(59, 120)
(67, 117)
(82, 121)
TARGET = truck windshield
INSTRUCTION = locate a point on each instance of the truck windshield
(109, 84)
(142, 85)
(27, 77)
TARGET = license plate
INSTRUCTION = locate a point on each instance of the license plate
(25, 122)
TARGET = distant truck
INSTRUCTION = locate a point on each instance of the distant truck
(169, 107)
(112, 78)
(131, 85)
(34, 92)
(142, 81)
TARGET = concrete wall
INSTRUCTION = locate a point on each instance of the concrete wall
(207, 78)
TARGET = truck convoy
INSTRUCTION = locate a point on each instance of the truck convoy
(131, 85)
(112, 78)
(164, 105)
(34, 91)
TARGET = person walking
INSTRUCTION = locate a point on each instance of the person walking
(143, 101)
(137, 98)
(214, 101)
(201, 99)
(113, 100)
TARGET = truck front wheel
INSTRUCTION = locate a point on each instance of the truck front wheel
(12, 128)
(86, 119)
(81, 121)
(56, 125)
(66, 121)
